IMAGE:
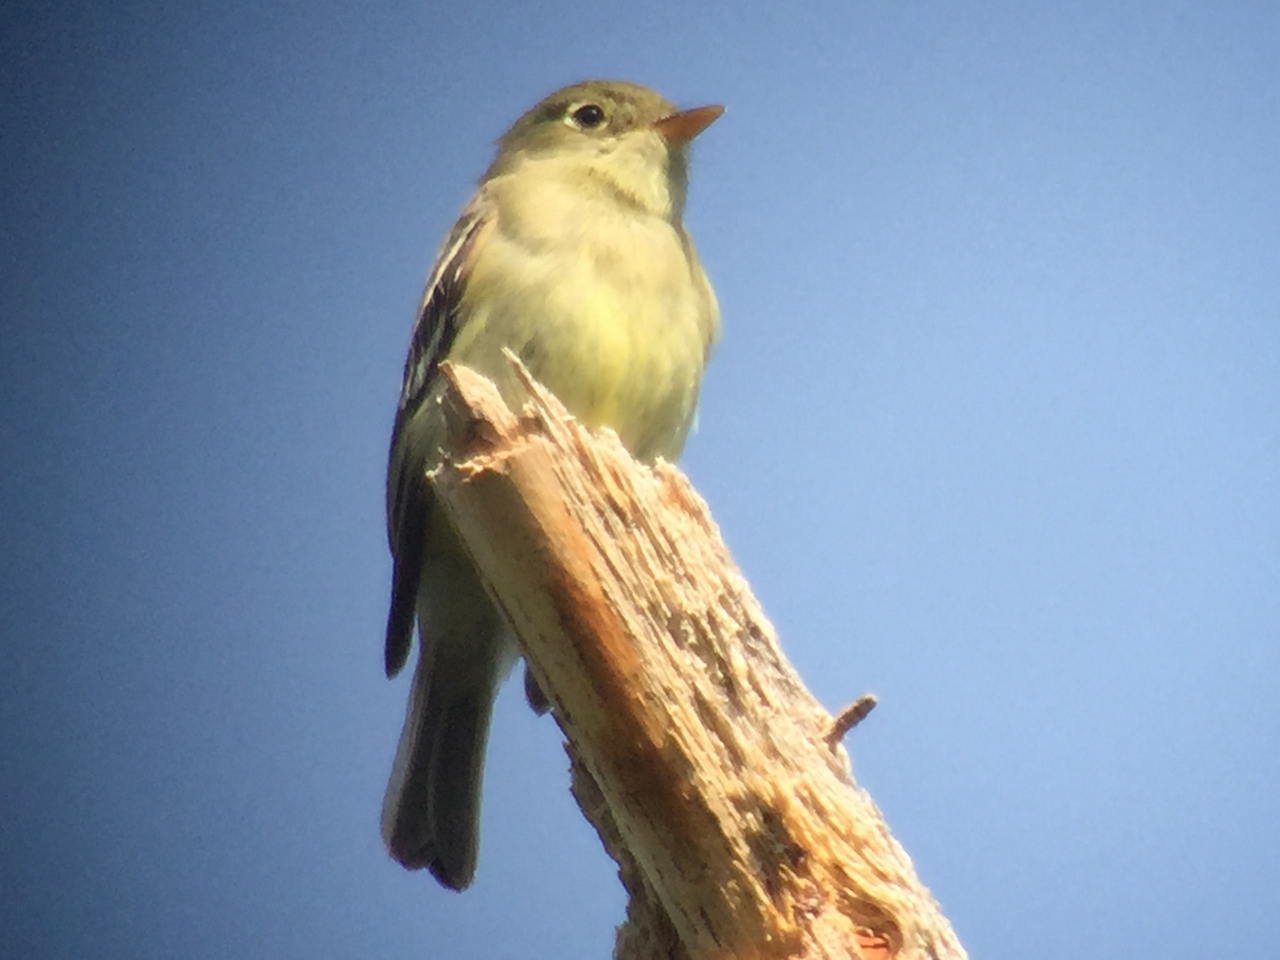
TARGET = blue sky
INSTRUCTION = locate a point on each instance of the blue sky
(993, 430)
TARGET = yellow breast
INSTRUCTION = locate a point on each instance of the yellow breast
(606, 304)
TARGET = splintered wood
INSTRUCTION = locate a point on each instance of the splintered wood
(704, 763)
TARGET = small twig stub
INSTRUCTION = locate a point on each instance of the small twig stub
(850, 717)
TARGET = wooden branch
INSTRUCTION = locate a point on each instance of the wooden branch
(710, 772)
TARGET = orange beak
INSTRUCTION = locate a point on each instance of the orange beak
(679, 128)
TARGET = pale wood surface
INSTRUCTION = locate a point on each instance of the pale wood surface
(709, 770)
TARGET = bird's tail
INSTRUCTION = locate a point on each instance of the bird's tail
(431, 810)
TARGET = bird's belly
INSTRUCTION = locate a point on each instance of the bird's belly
(621, 340)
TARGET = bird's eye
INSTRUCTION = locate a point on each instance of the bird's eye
(587, 117)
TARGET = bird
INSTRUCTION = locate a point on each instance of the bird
(572, 254)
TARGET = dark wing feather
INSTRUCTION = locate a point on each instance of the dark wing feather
(408, 497)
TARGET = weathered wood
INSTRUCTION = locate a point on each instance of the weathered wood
(710, 772)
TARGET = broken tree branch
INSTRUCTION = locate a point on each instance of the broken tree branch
(709, 770)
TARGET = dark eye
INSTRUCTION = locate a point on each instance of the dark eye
(588, 116)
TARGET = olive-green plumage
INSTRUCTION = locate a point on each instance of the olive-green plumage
(573, 255)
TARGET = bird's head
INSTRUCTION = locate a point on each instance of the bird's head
(619, 136)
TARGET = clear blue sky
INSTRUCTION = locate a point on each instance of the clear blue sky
(993, 430)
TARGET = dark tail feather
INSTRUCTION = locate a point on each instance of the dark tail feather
(430, 816)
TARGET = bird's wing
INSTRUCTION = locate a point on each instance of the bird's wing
(408, 496)
(436, 323)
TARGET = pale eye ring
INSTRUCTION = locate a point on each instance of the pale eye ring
(586, 116)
